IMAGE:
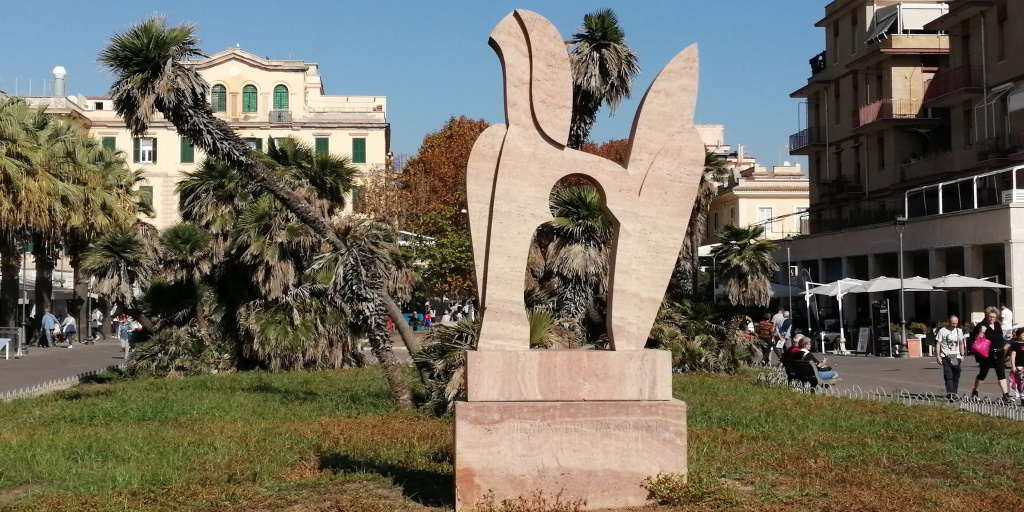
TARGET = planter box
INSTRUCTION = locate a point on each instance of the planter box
(914, 346)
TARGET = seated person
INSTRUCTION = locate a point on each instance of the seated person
(793, 350)
(806, 355)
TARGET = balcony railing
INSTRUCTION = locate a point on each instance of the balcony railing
(806, 137)
(888, 109)
(818, 63)
(280, 116)
(992, 148)
(953, 80)
(840, 186)
(984, 190)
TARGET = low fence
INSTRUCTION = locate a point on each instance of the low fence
(776, 377)
(54, 385)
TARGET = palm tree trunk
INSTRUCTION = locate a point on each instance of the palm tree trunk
(706, 192)
(79, 296)
(10, 270)
(380, 345)
(45, 263)
(104, 305)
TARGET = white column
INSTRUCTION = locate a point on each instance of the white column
(973, 267)
(937, 268)
(1014, 297)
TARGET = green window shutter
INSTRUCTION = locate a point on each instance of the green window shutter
(154, 148)
(259, 145)
(135, 150)
(188, 152)
(219, 98)
(249, 98)
(110, 143)
(359, 151)
(280, 97)
(146, 196)
(322, 146)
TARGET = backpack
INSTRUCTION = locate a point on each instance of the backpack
(765, 330)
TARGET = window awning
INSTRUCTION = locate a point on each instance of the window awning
(1015, 101)
(884, 23)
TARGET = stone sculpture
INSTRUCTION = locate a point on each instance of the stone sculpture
(590, 424)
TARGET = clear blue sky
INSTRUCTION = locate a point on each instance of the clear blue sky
(431, 58)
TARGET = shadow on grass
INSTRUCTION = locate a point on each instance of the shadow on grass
(428, 488)
(293, 395)
(105, 377)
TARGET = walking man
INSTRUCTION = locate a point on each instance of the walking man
(1005, 317)
(949, 352)
(49, 322)
(95, 321)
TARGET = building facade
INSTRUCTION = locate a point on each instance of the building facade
(775, 199)
(914, 110)
(260, 98)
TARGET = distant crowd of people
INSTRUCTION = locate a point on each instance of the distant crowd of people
(64, 328)
(994, 342)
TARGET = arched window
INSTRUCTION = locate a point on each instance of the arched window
(280, 97)
(219, 98)
(249, 98)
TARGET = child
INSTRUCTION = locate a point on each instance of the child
(1016, 376)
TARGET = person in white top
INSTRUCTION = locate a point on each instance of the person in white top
(70, 328)
(95, 321)
(1005, 318)
(949, 351)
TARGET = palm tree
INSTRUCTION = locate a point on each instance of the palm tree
(603, 68)
(577, 258)
(746, 264)
(186, 258)
(147, 60)
(714, 173)
(356, 276)
(122, 261)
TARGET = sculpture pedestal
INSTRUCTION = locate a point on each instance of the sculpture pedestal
(598, 451)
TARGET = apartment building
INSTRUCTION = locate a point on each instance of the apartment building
(913, 110)
(260, 98)
(775, 199)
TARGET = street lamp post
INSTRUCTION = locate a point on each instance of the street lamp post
(901, 224)
(789, 271)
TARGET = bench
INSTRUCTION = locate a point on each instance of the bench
(805, 372)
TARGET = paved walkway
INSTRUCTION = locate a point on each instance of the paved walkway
(917, 375)
(42, 365)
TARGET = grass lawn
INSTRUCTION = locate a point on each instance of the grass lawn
(331, 441)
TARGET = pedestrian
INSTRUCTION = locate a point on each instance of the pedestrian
(49, 323)
(949, 352)
(414, 321)
(824, 370)
(991, 330)
(95, 322)
(1016, 376)
(1005, 317)
(766, 338)
(784, 333)
(70, 328)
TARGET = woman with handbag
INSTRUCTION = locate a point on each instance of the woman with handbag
(990, 351)
(949, 352)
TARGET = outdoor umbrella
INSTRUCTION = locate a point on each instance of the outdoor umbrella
(956, 281)
(834, 289)
(885, 284)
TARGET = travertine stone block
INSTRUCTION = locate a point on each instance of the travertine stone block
(565, 375)
(598, 451)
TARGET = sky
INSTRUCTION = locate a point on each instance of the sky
(431, 58)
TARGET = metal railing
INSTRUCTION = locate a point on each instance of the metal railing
(775, 377)
(889, 109)
(280, 116)
(988, 189)
(952, 80)
(818, 63)
(806, 137)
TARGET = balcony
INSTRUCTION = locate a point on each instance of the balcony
(841, 186)
(993, 150)
(280, 116)
(953, 86)
(818, 63)
(802, 142)
(1016, 147)
(884, 113)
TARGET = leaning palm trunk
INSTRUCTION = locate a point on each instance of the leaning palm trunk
(148, 60)
(706, 192)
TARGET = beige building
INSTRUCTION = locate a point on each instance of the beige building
(752, 194)
(775, 199)
(916, 110)
(261, 99)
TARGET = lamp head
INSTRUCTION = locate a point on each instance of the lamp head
(901, 223)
